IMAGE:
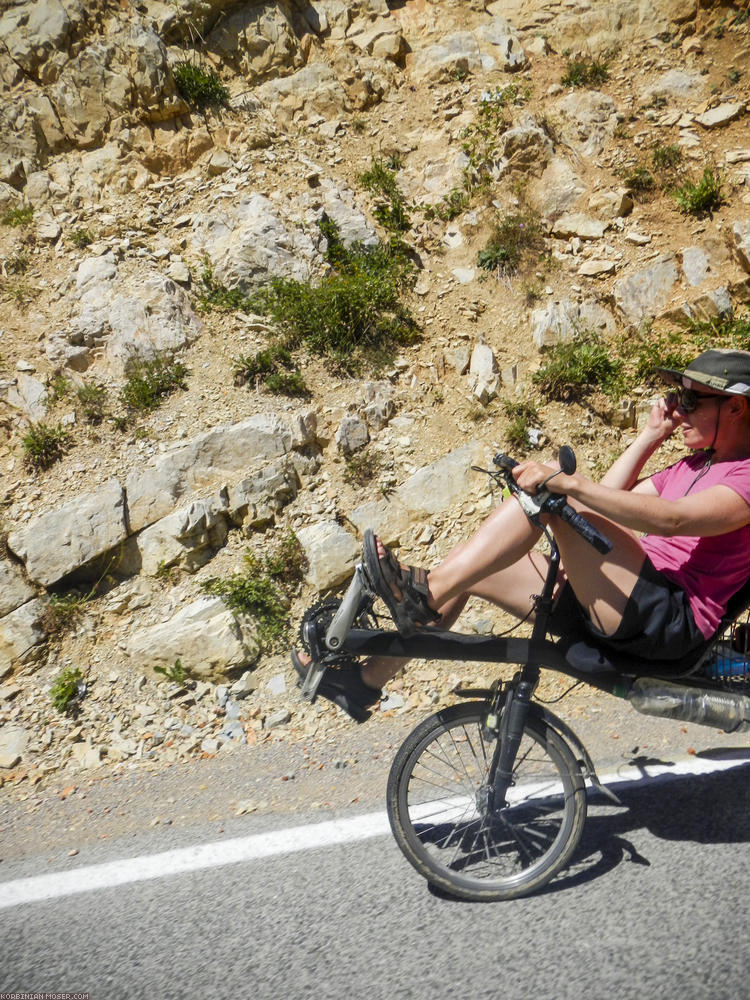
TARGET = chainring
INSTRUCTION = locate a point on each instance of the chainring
(322, 615)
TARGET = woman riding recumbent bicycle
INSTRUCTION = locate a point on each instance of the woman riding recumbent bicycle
(487, 798)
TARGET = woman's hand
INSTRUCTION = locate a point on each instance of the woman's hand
(663, 418)
(532, 476)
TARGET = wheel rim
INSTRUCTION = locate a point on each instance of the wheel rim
(444, 804)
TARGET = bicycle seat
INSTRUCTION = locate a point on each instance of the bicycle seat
(586, 656)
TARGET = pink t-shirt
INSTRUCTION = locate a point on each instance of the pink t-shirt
(709, 570)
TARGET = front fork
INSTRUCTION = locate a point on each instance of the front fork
(509, 722)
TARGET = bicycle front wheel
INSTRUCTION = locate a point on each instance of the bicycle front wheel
(438, 806)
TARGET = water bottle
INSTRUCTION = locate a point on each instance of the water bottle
(727, 710)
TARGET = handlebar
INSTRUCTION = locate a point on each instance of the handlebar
(544, 502)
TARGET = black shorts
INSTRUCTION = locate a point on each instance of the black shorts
(657, 623)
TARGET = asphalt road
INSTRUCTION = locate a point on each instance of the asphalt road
(654, 907)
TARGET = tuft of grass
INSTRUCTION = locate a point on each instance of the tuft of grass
(15, 217)
(149, 382)
(520, 415)
(67, 690)
(92, 399)
(64, 611)
(273, 367)
(516, 239)
(81, 238)
(176, 673)
(44, 444)
(666, 157)
(450, 206)
(262, 590)
(200, 87)
(639, 179)
(362, 467)
(578, 367)
(702, 198)
(585, 73)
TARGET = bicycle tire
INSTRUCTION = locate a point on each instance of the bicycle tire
(434, 805)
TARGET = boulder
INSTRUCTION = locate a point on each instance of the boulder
(257, 41)
(580, 225)
(315, 87)
(557, 189)
(678, 84)
(62, 540)
(28, 395)
(252, 244)
(642, 295)
(14, 590)
(206, 637)
(331, 553)
(561, 321)
(257, 498)
(722, 114)
(504, 45)
(525, 147)
(140, 314)
(741, 240)
(186, 538)
(32, 32)
(13, 743)
(589, 120)
(455, 53)
(22, 634)
(432, 490)
(223, 453)
(352, 435)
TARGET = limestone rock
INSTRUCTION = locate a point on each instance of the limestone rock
(561, 321)
(432, 490)
(379, 406)
(677, 84)
(455, 53)
(256, 499)
(28, 395)
(590, 119)
(557, 189)
(32, 32)
(525, 147)
(642, 295)
(54, 544)
(219, 454)
(315, 87)
(14, 590)
(13, 743)
(580, 225)
(741, 238)
(506, 48)
(186, 538)
(383, 38)
(721, 115)
(258, 41)
(21, 634)
(331, 553)
(352, 435)
(205, 637)
(141, 314)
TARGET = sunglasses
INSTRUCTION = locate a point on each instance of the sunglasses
(688, 400)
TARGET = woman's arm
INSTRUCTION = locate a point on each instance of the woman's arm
(624, 472)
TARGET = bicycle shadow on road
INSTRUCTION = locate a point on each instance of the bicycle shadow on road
(701, 808)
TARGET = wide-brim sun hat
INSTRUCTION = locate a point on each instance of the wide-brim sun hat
(722, 371)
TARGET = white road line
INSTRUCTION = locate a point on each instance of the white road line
(300, 838)
(188, 859)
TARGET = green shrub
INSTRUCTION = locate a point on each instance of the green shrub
(44, 445)
(67, 690)
(275, 368)
(520, 416)
(18, 216)
(516, 239)
(92, 399)
(585, 73)
(390, 208)
(355, 313)
(60, 386)
(262, 589)
(577, 367)
(199, 86)
(17, 263)
(452, 205)
(81, 238)
(702, 198)
(148, 383)
(176, 673)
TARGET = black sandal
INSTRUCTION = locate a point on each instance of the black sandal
(411, 611)
(343, 686)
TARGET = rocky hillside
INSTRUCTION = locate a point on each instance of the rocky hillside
(179, 180)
